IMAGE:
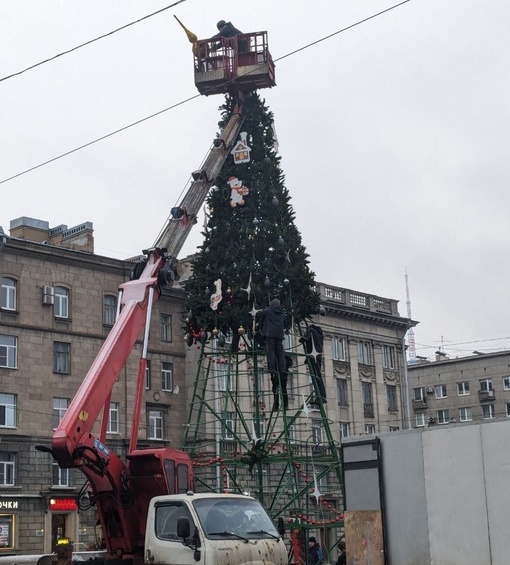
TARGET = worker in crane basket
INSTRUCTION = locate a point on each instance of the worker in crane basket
(227, 29)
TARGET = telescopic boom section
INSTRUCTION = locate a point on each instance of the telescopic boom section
(174, 235)
(80, 417)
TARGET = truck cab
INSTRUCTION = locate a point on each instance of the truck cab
(217, 529)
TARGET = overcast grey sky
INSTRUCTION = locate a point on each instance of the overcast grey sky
(394, 138)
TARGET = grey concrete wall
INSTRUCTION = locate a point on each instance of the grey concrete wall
(456, 505)
(405, 516)
(445, 493)
(495, 438)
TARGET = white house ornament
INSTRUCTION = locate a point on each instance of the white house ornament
(241, 150)
(238, 191)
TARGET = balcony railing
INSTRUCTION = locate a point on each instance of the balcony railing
(358, 299)
(486, 396)
(420, 404)
(368, 410)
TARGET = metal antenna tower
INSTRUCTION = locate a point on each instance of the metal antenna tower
(410, 332)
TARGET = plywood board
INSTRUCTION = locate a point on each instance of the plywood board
(364, 537)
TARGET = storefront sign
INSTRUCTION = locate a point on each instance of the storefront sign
(9, 505)
(59, 504)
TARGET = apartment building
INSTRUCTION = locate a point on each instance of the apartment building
(58, 303)
(365, 367)
(463, 390)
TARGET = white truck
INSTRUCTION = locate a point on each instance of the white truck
(186, 529)
(217, 529)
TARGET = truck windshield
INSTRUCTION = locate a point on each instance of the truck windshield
(228, 517)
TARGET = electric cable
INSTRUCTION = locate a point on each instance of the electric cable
(190, 98)
(89, 42)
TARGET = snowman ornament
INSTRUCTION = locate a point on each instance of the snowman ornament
(238, 191)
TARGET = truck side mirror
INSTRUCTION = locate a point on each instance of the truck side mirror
(183, 527)
(281, 526)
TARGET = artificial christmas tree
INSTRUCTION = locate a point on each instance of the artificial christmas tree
(252, 250)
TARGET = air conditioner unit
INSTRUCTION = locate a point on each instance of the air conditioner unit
(490, 393)
(429, 390)
(48, 295)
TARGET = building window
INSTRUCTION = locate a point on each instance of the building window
(321, 476)
(508, 408)
(258, 381)
(109, 310)
(338, 348)
(394, 428)
(341, 392)
(258, 426)
(488, 411)
(441, 391)
(419, 393)
(486, 385)
(290, 386)
(166, 376)
(7, 523)
(443, 416)
(228, 425)
(148, 375)
(317, 431)
(61, 357)
(8, 294)
(60, 406)
(345, 429)
(368, 404)
(7, 468)
(291, 433)
(370, 428)
(465, 414)
(463, 388)
(506, 383)
(60, 477)
(8, 351)
(156, 424)
(261, 475)
(420, 420)
(364, 353)
(391, 395)
(222, 373)
(61, 302)
(165, 324)
(113, 418)
(388, 355)
(8, 410)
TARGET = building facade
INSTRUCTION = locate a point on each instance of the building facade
(462, 390)
(59, 302)
(57, 307)
(365, 367)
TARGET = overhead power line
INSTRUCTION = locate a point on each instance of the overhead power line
(90, 41)
(191, 97)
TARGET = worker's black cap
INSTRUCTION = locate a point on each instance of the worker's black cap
(220, 24)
